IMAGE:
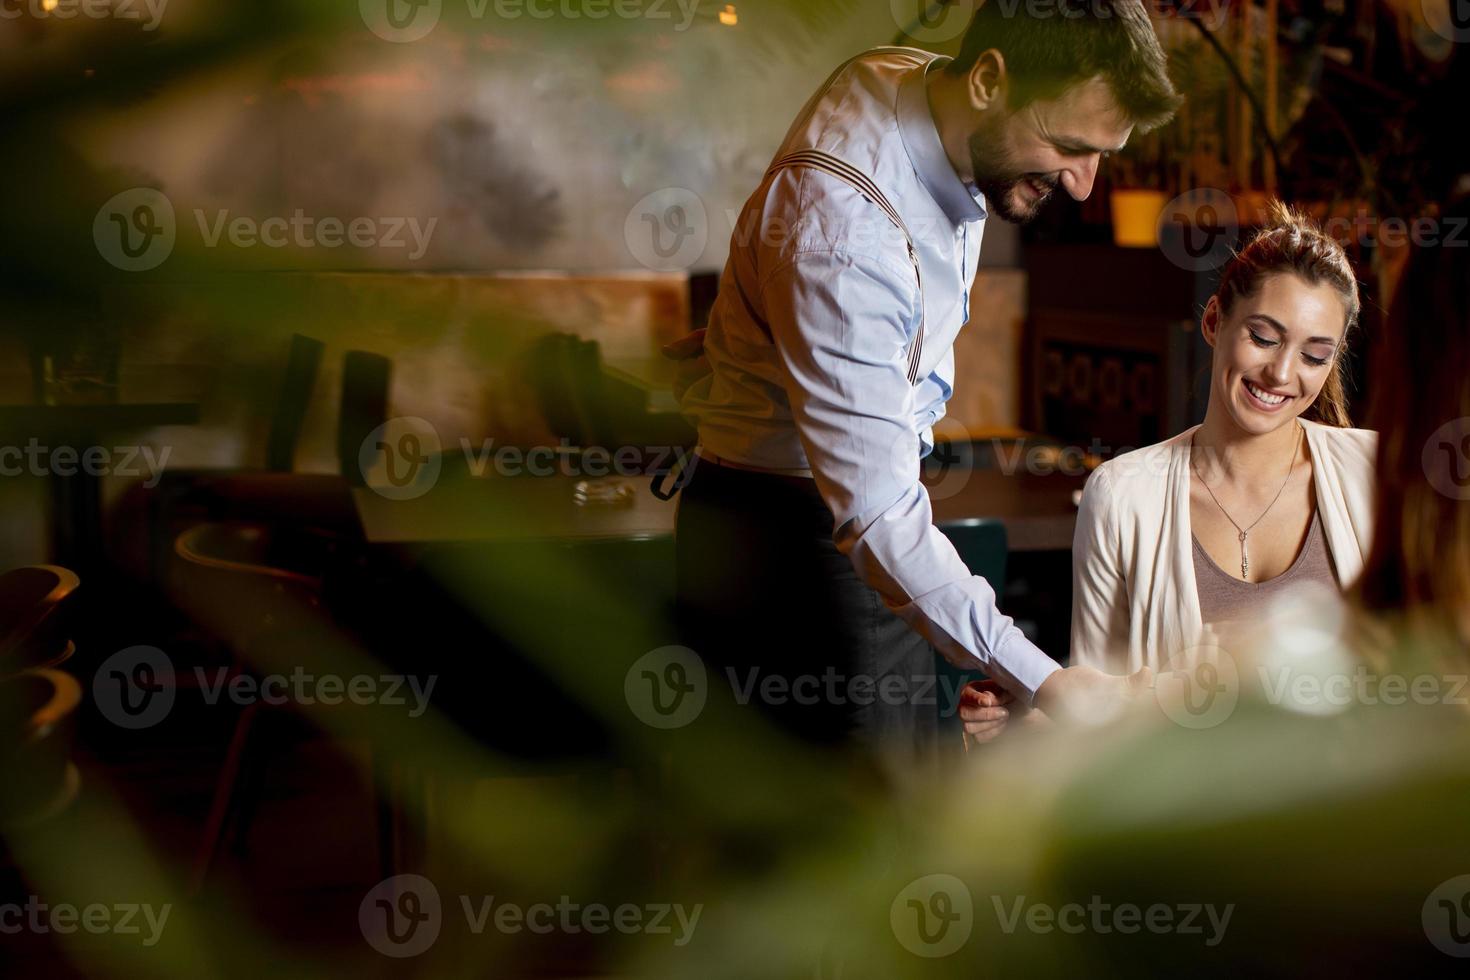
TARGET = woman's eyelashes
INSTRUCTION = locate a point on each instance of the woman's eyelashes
(1262, 342)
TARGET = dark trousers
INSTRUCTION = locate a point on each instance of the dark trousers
(781, 618)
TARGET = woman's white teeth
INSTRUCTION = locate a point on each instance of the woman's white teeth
(1268, 399)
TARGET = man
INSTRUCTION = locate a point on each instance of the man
(806, 545)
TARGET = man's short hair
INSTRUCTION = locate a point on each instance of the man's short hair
(1049, 48)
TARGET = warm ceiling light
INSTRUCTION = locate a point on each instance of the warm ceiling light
(49, 5)
(728, 17)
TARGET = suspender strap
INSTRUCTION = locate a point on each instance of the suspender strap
(842, 170)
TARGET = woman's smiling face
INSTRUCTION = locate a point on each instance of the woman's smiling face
(1275, 350)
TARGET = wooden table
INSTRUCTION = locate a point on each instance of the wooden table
(1037, 510)
(511, 509)
(54, 422)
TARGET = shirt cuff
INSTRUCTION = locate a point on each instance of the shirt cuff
(1026, 666)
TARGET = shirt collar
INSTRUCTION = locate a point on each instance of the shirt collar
(921, 139)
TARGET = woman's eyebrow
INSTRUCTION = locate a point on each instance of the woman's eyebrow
(1276, 325)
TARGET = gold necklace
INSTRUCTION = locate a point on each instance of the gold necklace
(1245, 562)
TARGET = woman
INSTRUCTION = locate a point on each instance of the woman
(1272, 493)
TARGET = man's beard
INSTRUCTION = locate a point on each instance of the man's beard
(997, 178)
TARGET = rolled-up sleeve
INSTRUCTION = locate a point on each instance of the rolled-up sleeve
(840, 321)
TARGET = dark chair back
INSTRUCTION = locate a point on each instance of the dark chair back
(363, 407)
(290, 409)
(566, 374)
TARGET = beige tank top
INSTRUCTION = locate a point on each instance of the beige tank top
(1224, 599)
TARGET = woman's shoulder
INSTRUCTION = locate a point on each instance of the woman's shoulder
(1349, 449)
(1137, 481)
(1143, 469)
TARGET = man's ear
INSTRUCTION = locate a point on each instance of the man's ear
(1209, 324)
(987, 81)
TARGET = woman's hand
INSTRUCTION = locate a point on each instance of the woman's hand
(1087, 696)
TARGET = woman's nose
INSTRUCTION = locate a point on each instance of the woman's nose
(1278, 371)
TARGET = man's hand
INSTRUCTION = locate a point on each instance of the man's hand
(688, 350)
(687, 346)
(983, 710)
(1087, 696)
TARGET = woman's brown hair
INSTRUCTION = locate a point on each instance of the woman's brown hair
(1419, 564)
(1292, 242)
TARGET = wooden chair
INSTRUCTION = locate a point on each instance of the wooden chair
(34, 632)
(37, 720)
(253, 586)
(38, 703)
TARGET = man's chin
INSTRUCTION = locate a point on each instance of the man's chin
(1013, 208)
(1013, 203)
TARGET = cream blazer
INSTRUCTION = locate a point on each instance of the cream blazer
(1134, 598)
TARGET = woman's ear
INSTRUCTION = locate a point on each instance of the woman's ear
(1209, 324)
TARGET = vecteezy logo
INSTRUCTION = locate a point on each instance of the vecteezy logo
(931, 23)
(1446, 458)
(1198, 687)
(400, 21)
(401, 916)
(1450, 19)
(1198, 229)
(667, 687)
(401, 459)
(1446, 916)
(933, 915)
(134, 688)
(135, 230)
(667, 230)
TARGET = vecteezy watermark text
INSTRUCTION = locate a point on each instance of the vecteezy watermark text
(303, 688)
(667, 688)
(402, 916)
(136, 688)
(933, 916)
(39, 460)
(121, 919)
(90, 9)
(1097, 916)
(1314, 692)
(403, 458)
(935, 23)
(136, 231)
(405, 21)
(835, 688)
(302, 230)
(543, 918)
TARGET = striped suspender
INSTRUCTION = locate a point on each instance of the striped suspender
(846, 172)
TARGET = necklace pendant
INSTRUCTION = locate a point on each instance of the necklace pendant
(1245, 564)
(1242, 537)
